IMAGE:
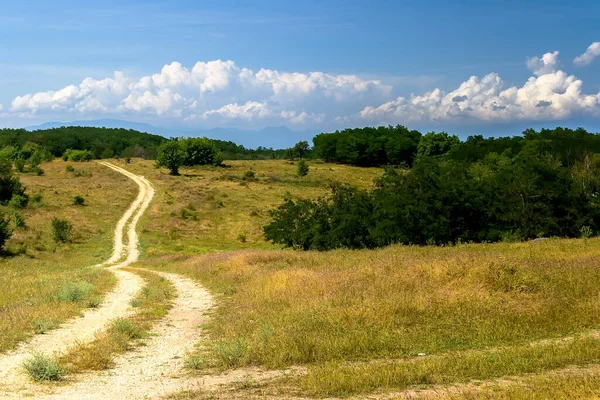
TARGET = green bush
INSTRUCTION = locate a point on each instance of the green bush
(77, 155)
(42, 368)
(5, 231)
(61, 230)
(200, 151)
(38, 171)
(42, 326)
(72, 292)
(78, 200)
(69, 168)
(249, 176)
(18, 220)
(36, 198)
(19, 201)
(170, 156)
(302, 169)
(230, 354)
(10, 184)
(20, 165)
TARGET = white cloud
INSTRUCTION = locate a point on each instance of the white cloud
(543, 65)
(590, 55)
(551, 95)
(222, 93)
(209, 90)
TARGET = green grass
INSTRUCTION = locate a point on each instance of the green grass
(41, 368)
(209, 208)
(37, 280)
(358, 319)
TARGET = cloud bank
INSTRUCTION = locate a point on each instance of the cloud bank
(222, 93)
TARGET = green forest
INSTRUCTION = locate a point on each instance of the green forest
(444, 191)
(434, 188)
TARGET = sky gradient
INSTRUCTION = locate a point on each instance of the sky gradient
(310, 65)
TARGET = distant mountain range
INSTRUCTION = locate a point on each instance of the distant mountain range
(276, 137)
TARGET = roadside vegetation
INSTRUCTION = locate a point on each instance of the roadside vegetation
(410, 295)
(123, 334)
(46, 281)
(391, 319)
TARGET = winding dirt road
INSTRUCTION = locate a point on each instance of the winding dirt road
(150, 371)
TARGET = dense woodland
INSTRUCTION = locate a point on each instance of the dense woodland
(434, 188)
(542, 184)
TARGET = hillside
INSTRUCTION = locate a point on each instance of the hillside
(214, 306)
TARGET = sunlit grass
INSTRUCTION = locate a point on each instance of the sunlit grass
(152, 303)
(45, 282)
(359, 319)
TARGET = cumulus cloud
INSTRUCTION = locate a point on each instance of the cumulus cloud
(546, 64)
(222, 93)
(211, 90)
(550, 95)
(590, 55)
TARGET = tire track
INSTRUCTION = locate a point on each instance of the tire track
(83, 329)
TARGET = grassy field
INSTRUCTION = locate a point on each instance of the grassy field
(43, 283)
(207, 208)
(359, 319)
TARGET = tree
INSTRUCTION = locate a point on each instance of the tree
(436, 144)
(170, 156)
(302, 169)
(200, 151)
(5, 231)
(301, 148)
(10, 185)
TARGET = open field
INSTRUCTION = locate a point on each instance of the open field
(208, 208)
(504, 320)
(359, 319)
(43, 282)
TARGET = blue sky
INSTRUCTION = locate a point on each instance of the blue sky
(306, 65)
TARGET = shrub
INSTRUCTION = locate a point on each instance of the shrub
(42, 326)
(249, 176)
(18, 220)
(302, 169)
(230, 354)
(69, 168)
(38, 171)
(78, 200)
(77, 155)
(61, 230)
(20, 165)
(72, 292)
(19, 201)
(242, 238)
(200, 151)
(586, 231)
(10, 185)
(36, 198)
(42, 368)
(195, 362)
(5, 231)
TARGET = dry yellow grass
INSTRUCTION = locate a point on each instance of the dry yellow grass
(358, 319)
(33, 279)
(208, 208)
(152, 303)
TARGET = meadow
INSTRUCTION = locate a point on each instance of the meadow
(367, 321)
(44, 282)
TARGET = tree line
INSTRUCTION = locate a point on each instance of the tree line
(545, 183)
